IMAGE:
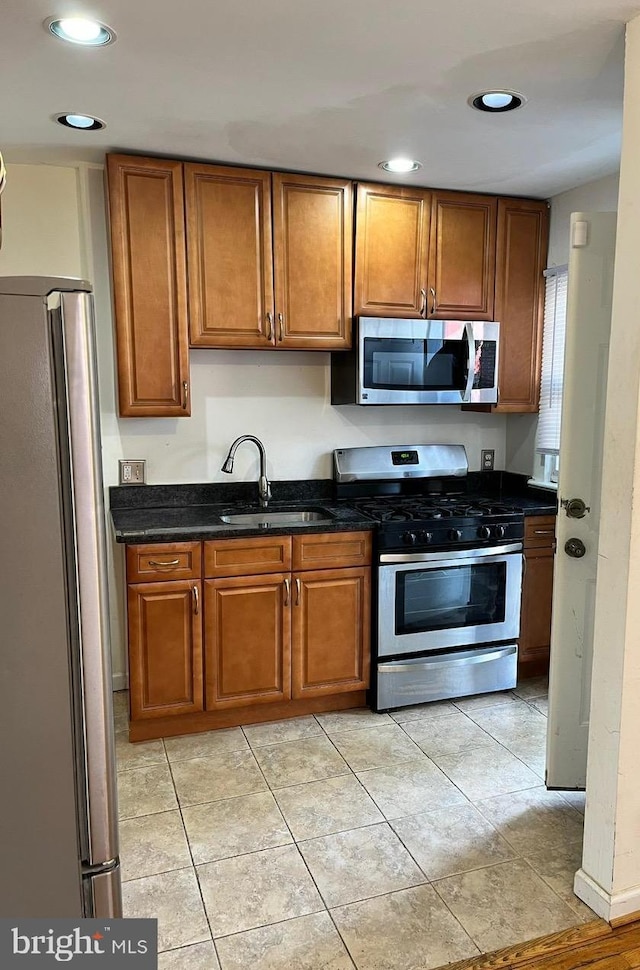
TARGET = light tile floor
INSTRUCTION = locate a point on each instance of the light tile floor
(350, 839)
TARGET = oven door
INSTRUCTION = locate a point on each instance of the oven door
(434, 600)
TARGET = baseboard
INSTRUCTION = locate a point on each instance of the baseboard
(613, 907)
(120, 681)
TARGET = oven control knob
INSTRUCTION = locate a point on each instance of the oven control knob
(455, 534)
(484, 532)
(425, 537)
(409, 538)
(500, 532)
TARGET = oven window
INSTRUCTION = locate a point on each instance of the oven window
(403, 364)
(450, 597)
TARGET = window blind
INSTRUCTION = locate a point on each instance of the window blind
(553, 337)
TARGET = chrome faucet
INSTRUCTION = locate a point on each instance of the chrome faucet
(264, 488)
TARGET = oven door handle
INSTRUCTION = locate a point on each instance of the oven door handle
(471, 362)
(409, 557)
(480, 658)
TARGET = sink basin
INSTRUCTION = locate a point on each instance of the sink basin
(266, 517)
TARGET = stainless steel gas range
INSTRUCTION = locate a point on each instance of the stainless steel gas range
(449, 574)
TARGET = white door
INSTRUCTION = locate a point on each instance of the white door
(590, 287)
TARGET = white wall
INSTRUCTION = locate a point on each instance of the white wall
(598, 196)
(40, 222)
(610, 876)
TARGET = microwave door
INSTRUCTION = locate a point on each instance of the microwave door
(471, 361)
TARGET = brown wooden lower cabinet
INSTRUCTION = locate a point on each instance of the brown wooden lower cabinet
(330, 626)
(211, 652)
(537, 592)
(248, 640)
(165, 648)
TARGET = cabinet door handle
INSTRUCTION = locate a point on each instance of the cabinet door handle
(280, 326)
(185, 395)
(287, 591)
(171, 562)
(297, 592)
(434, 301)
(269, 326)
(423, 305)
(196, 600)
(543, 532)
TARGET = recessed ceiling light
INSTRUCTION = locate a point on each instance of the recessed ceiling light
(497, 101)
(78, 30)
(400, 165)
(82, 122)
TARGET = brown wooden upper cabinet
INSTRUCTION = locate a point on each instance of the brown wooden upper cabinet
(392, 250)
(229, 256)
(523, 230)
(235, 266)
(150, 285)
(462, 257)
(424, 254)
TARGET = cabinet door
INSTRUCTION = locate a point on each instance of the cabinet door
(247, 640)
(150, 285)
(165, 648)
(330, 631)
(535, 617)
(521, 259)
(229, 256)
(392, 244)
(462, 256)
(312, 222)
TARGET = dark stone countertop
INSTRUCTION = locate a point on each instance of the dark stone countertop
(177, 513)
(512, 489)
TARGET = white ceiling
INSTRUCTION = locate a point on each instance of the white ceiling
(329, 86)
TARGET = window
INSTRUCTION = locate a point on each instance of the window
(553, 337)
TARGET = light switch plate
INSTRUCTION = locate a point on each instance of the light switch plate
(132, 471)
(487, 456)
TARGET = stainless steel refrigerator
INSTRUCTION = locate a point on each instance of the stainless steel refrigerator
(58, 810)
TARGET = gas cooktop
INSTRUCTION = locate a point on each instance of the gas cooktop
(417, 494)
(423, 508)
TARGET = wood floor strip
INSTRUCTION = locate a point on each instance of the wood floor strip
(625, 920)
(533, 950)
(596, 945)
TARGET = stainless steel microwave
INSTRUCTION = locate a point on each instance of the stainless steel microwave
(418, 362)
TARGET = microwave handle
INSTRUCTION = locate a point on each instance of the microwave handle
(471, 344)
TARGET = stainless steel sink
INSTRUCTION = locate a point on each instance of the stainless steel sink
(263, 518)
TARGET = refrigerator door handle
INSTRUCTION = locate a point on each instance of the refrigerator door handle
(90, 611)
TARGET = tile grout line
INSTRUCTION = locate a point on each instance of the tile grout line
(193, 865)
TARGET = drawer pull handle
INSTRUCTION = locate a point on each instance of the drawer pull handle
(544, 532)
(297, 592)
(287, 591)
(172, 562)
(196, 600)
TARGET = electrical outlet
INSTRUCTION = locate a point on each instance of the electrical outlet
(487, 456)
(132, 472)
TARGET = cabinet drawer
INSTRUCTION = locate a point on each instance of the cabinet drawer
(163, 560)
(244, 557)
(539, 530)
(331, 550)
